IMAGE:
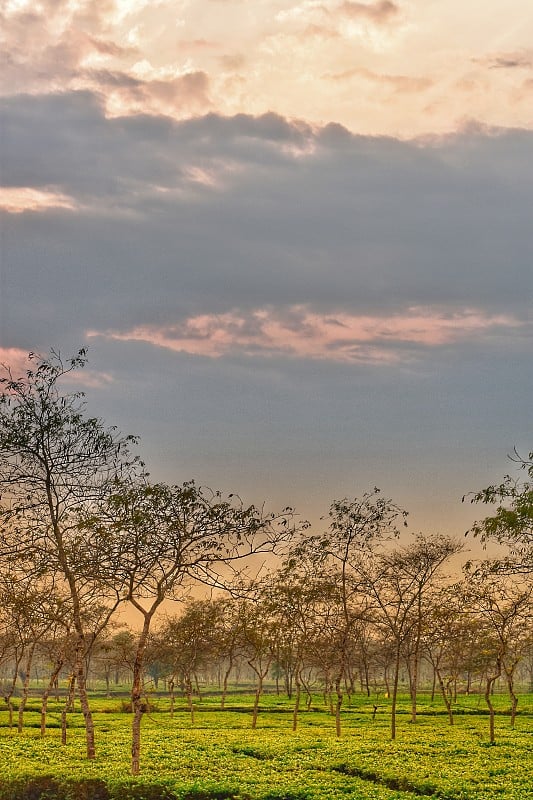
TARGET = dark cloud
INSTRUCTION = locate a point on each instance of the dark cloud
(110, 48)
(522, 59)
(377, 12)
(175, 219)
(222, 216)
(113, 78)
(186, 94)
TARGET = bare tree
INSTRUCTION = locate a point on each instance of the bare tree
(55, 462)
(191, 643)
(448, 639)
(504, 614)
(397, 581)
(154, 540)
(356, 529)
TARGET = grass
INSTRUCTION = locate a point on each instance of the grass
(221, 757)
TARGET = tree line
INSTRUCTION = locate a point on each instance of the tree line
(84, 532)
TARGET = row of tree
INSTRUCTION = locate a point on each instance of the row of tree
(84, 531)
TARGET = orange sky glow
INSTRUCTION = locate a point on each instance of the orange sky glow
(403, 68)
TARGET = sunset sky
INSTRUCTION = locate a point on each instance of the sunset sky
(297, 237)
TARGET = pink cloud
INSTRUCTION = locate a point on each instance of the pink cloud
(298, 332)
(90, 378)
(15, 362)
(398, 83)
(17, 199)
(13, 359)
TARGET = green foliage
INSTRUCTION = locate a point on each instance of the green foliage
(512, 522)
(220, 757)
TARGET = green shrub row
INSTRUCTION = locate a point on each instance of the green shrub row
(46, 787)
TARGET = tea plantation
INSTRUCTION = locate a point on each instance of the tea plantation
(220, 756)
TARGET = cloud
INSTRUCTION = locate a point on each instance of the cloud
(315, 11)
(62, 46)
(398, 83)
(378, 12)
(178, 59)
(520, 59)
(15, 362)
(47, 45)
(182, 96)
(145, 222)
(299, 332)
(17, 199)
(14, 359)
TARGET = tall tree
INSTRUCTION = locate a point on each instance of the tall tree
(55, 463)
(397, 581)
(504, 614)
(357, 527)
(448, 640)
(154, 540)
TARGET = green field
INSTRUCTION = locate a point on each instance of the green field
(219, 756)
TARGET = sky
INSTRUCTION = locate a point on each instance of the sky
(296, 237)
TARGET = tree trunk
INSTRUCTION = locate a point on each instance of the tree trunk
(433, 684)
(258, 693)
(367, 678)
(9, 696)
(338, 704)
(171, 685)
(261, 672)
(64, 726)
(297, 683)
(25, 688)
(46, 694)
(308, 694)
(512, 694)
(416, 657)
(225, 684)
(445, 694)
(84, 699)
(137, 705)
(138, 711)
(188, 691)
(489, 687)
(69, 700)
(395, 691)
(414, 687)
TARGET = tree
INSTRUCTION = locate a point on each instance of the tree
(34, 611)
(296, 598)
(356, 528)
(257, 630)
(190, 643)
(512, 523)
(504, 614)
(154, 540)
(448, 639)
(115, 654)
(55, 463)
(397, 582)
